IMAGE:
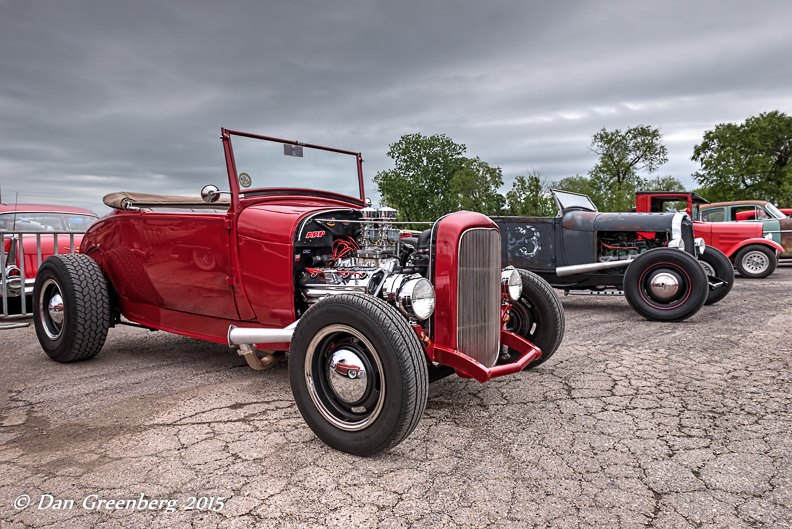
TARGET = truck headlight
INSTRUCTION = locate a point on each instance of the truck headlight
(416, 299)
(676, 243)
(511, 283)
(700, 245)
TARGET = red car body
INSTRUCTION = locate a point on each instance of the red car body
(16, 218)
(728, 237)
(251, 278)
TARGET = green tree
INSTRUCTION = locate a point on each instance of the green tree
(662, 183)
(419, 185)
(749, 160)
(603, 196)
(530, 197)
(615, 179)
(475, 185)
(577, 184)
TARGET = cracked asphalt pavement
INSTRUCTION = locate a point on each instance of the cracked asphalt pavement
(631, 424)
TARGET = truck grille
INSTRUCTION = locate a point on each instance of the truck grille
(478, 295)
(689, 237)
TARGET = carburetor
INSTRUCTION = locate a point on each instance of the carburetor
(378, 237)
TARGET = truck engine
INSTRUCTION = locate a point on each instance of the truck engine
(623, 245)
(361, 251)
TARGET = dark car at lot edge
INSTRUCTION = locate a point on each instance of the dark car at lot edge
(652, 258)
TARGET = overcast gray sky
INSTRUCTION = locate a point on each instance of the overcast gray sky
(102, 96)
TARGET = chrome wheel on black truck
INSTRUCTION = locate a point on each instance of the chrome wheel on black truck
(358, 373)
(717, 267)
(71, 307)
(665, 284)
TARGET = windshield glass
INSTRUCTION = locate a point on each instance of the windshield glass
(565, 199)
(775, 211)
(46, 221)
(263, 164)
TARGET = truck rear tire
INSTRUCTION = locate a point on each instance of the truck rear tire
(71, 307)
(358, 373)
(538, 316)
(755, 261)
(715, 263)
(665, 284)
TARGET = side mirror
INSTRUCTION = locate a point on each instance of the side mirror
(210, 193)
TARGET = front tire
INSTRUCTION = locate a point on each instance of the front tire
(715, 263)
(755, 261)
(71, 307)
(358, 374)
(665, 284)
(537, 316)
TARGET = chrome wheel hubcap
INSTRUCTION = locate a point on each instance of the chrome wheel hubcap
(664, 285)
(51, 309)
(756, 262)
(345, 378)
(56, 309)
(348, 375)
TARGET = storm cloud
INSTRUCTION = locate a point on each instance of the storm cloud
(104, 96)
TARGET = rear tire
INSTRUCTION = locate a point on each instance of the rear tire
(71, 307)
(379, 405)
(755, 261)
(715, 263)
(537, 316)
(665, 284)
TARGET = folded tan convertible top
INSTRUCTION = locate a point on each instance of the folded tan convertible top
(124, 199)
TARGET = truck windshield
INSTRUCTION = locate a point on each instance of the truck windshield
(566, 199)
(264, 164)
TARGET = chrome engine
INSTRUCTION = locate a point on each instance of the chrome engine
(369, 263)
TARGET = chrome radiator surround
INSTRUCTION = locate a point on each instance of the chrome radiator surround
(479, 295)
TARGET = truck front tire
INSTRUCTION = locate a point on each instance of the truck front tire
(665, 284)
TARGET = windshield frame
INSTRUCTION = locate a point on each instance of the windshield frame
(560, 205)
(239, 194)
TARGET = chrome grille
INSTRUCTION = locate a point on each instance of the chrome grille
(478, 295)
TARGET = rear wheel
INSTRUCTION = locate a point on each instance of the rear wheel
(665, 285)
(71, 307)
(358, 373)
(755, 261)
(715, 264)
(537, 316)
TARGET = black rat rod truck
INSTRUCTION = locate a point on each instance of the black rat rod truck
(651, 258)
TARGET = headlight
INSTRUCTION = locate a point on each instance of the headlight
(768, 236)
(677, 243)
(416, 299)
(511, 284)
(700, 245)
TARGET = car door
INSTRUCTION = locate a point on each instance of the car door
(187, 261)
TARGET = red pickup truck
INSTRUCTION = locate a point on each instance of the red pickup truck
(754, 254)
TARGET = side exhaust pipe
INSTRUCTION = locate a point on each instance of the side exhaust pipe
(247, 335)
(562, 271)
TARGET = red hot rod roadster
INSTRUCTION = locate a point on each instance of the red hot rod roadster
(294, 259)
